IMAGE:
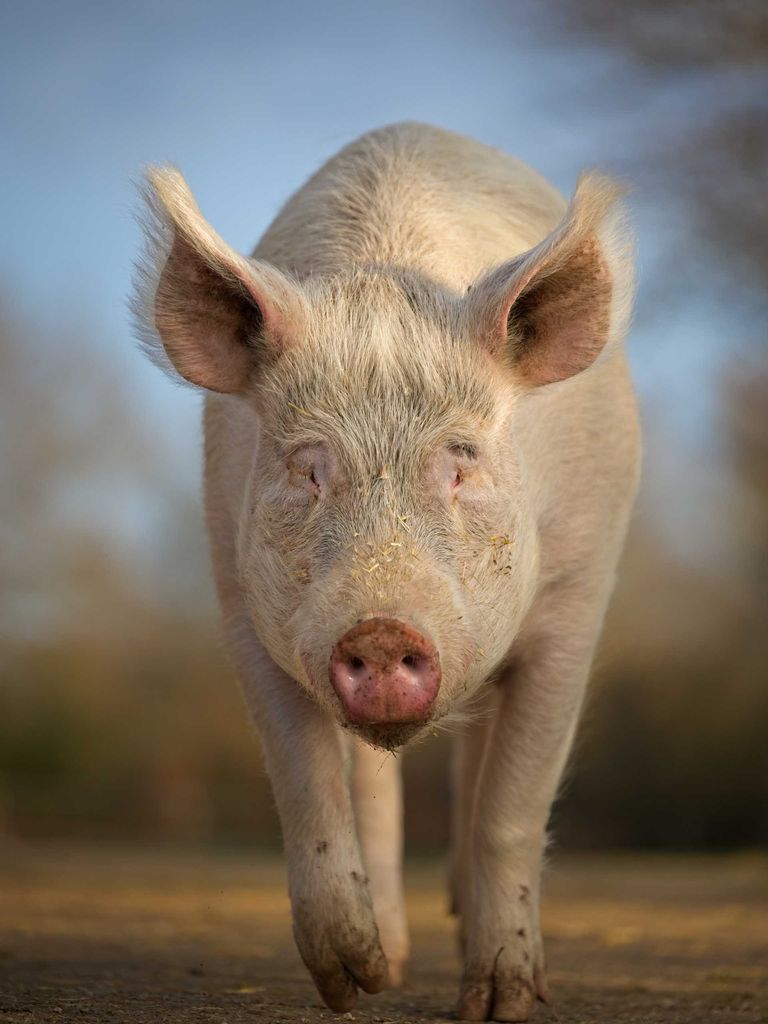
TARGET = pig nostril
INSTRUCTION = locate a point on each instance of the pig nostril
(384, 671)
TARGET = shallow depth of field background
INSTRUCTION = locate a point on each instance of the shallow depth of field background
(118, 714)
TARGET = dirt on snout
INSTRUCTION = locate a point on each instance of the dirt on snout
(116, 935)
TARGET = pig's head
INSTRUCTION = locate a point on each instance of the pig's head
(387, 541)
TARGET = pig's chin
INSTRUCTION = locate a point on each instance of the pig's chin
(387, 735)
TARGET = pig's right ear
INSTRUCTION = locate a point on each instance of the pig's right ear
(211, 314)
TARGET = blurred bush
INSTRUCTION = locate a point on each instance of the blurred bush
(118, 712)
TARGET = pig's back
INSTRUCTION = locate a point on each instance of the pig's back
(415, 196)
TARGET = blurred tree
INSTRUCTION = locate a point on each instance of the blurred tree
(716, 162)
(675, 35)
(78, 477)
(117, 710)
(674, 750)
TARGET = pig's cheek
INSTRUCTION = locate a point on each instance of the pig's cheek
(274, 581)
(470, 655)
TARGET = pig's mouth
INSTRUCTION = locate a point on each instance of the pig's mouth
(388, 735)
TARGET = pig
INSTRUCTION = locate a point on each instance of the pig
(421, 453)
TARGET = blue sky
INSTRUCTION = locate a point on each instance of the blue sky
(248, 99)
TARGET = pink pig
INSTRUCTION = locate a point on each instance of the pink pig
(421, 452)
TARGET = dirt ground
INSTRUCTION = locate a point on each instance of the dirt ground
(113, 935)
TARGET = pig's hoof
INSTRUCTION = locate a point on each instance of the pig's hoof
(396, 973)
(393, 932)
(340, 957)
(501, 995)
(337, 982)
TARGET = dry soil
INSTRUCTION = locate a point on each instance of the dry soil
(104, 935)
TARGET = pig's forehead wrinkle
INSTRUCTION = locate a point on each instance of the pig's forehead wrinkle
(373, 402)
(368, 304)
(382, 288)
(385, 363)
(383, 330)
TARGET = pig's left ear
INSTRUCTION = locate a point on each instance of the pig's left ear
(201, 309)
(551, 311)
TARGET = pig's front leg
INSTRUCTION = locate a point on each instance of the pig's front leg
(468, 751)
(378, 801)
(333, 920)
(540, 698)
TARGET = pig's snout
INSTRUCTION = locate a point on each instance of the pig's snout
(385, 672)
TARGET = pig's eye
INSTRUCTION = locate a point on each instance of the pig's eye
(455, 461)
(304, 480)
(312, 470)
(305, 472)
(459, 470)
